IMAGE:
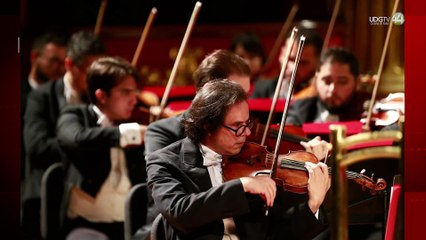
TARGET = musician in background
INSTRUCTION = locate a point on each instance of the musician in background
(47, 63)
(305, 72)
(189, 191)
(218, 64)
(104, 159)
(47, 58)
(43, 108)
(248, 46)
(336, 81)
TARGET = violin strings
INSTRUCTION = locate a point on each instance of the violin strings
(301, 166)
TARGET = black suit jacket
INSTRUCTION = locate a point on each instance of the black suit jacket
(183, 193)
(307, 109)
(164, 132)
(87, 148)
(264, 88)
(42, 111)
(25, 90)
(39, 134)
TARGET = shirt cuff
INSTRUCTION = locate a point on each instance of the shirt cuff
(317, 214)
(130, 134)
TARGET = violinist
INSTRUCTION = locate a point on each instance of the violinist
(188, 186)
(103, 159)
(309, 60)
(336, 81)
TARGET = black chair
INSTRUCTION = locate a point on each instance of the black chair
(157, 229)
(52, 189)
(135, 210)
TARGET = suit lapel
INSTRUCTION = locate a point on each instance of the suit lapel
(193, 162)
(60, 94)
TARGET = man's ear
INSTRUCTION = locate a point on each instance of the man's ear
(68, 63)
(33, 56)
(358, 83)
(100, 96)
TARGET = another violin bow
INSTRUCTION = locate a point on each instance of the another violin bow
(366, 126)
(279, 84)
(287, 103)
(178, 58)
(331, 26)
(281, 36)
(143, 36)
(100, 17)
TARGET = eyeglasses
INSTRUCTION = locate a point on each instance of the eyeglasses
(241, 129)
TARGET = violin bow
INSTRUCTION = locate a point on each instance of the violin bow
(100, 17)
(273, 171)
(331, 26)
(279, 84)
(281, 36)
(144, 34)
(178, 58)
(366, 126)
(287, 103)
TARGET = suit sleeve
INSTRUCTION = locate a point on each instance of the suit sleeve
(41, 144)
(74, 133)
(185, 208)
(301, 111)
(262, 89)
(162, 133)
(294, 219)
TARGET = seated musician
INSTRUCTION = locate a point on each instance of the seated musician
(43, 107)
(309, 59)
(104, 159)
(188, 187)
(248, 46)
(219, 64)
(336, 81)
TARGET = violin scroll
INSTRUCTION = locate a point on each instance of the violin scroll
(369, 183)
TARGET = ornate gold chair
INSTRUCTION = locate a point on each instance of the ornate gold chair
(346, 153)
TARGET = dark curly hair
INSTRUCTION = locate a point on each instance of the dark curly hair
(210, 106)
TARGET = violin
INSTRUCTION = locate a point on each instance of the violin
(291, 174)
(387, 111)
(291, 138)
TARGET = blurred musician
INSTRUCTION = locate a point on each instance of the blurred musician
(248, 46)
(218, 64)
(47, 63)
(308, 62)
(43, 108)
(336, 81)
(103, 159)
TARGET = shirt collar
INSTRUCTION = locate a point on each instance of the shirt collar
(71, 95)
(210, 157)
(33, 83)
(103, 120)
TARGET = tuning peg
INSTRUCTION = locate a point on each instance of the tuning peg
(362, 171)
(372, 176)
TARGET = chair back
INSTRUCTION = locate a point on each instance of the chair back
(135, 210)
(345, 152)
(52, 189)
(394, 219)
